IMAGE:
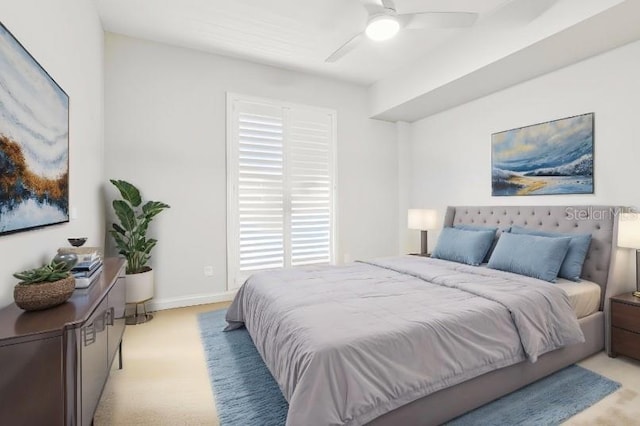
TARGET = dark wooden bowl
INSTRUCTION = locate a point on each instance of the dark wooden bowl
(77, 242)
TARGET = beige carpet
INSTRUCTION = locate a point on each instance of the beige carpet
(165, 379)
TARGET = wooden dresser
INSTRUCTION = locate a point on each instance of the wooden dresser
(55, 362)
(625, 326)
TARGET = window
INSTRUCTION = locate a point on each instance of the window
(281, 184)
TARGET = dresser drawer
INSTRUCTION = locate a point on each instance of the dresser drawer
(624, 342)
(625, 316)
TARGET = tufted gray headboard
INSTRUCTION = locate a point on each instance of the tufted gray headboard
(600, 221)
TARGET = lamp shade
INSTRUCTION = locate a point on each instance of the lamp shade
(422, 219)
(629, 230)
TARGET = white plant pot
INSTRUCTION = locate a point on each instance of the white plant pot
(139, 287)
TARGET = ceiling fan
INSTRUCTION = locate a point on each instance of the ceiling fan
(384, 23)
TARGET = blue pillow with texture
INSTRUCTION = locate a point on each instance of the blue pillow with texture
(494, 229)
(476, 228)
(459, 245)
(530, 255)
(578, 247)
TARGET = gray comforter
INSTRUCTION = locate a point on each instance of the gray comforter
(347, 344)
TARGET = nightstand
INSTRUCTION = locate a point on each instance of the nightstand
(625, 326)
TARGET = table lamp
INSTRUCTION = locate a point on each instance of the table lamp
(629, 237)
(422, 220)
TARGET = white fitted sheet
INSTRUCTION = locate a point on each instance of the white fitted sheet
(584, 296)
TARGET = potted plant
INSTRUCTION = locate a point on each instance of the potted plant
(44, 287)
(130, 236)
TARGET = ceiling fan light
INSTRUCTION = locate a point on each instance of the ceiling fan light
(382, 27)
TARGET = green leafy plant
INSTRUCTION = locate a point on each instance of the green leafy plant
(131, 234)
(51, 272)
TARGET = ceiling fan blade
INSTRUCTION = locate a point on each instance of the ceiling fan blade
(441, 20)
(374, 7)
(345, 48)
(388, 4)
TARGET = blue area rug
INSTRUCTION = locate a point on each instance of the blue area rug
(549, 401)
(247, 395)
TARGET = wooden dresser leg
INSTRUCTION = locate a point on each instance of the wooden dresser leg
(120, 356)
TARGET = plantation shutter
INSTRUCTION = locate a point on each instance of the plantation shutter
(260, 188)
(311, 182)
(281, 185)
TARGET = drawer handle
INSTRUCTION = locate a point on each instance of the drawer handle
(89, 334)
(97, 326)
(109, 315)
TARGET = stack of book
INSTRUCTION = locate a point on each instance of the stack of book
(89, 265)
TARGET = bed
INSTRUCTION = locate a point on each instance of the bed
(412, 340)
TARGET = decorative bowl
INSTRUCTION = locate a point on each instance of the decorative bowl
(35, 297)
(77, 242)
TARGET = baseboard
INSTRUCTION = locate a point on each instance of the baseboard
(191, 300)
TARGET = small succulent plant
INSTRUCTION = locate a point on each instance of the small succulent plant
(51, 272)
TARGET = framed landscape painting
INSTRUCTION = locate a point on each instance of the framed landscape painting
(555, 157)
(34, 142)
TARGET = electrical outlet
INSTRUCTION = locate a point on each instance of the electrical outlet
(208, 271)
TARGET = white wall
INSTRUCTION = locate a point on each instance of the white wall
(67, 39)
(165, 132)
(450, 156)
(406, 237)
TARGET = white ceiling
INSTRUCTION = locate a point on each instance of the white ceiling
(295, 34)
(416, 74)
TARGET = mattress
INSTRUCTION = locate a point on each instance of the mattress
(584, 296)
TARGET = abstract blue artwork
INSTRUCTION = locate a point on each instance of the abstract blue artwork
(34, 142)
(555, 157)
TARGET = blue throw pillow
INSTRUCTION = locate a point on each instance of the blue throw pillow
(494, 229)
(530, 255)
(462, 246)
(578, 247)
